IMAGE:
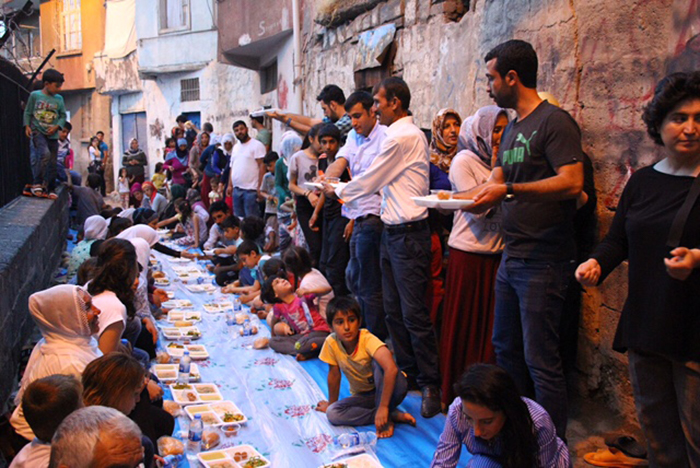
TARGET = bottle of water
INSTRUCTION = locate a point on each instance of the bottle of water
(247, 327)
(236, 305)
(183, 375)
(172, 461)
(194, 436)
(352, 440)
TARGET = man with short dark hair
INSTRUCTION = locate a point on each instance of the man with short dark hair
(537, 178)
(247, 171)
(364, 230)
(332, 101)
(264, 135)
(401, 171)
(104, 151)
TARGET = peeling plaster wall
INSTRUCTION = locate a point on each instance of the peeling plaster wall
(600, 59)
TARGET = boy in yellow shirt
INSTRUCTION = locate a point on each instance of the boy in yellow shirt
(376, 384)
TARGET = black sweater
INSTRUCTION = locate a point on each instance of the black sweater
(661, 314)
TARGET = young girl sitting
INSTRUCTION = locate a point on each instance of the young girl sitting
(123, 187)
(308, 280)
(296, 326)
(190, 222)
(376, 384)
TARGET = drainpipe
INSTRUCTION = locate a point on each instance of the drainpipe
(296, 27)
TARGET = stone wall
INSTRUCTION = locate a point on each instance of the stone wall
(600, 59)
(32, 235)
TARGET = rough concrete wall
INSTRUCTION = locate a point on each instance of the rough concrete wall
(32, 233)
(600, 59)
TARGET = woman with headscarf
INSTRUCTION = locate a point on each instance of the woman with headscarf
(476, 243)
(67, 319)
(157, 201)
(443, 147)
(200, 144)
(178, 162)
(150, 235)
(290, 144)
(221, 160)
(95, 228)
(135, 161)
(137, 198)
(205, 163)
(141, 302)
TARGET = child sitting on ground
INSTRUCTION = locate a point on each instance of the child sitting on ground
(308, 280)
(296, 326)
(250, 276)
(376, 384)
(46, 403)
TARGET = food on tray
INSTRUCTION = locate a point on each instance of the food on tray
(261, 343)
(210, 439)
(165, 375)
(194, 334)
(336, 465)
(232, 417)
(205, 389)
(170, 446)
(254, 462)
(191, 396)
(223, 464)
(444, 195)
(240, 456)
(172, 408)
(183, 323)
(230, 430)
(209, 418)
(176, 346)
(197, 349)
(181, 386)
(158, 274)
(162, 358)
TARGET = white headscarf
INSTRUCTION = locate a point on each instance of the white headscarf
(476, 133)
(95, 227)
(61, 316)
(143, 252)
(228, 137)
(142, 231)
(127, 213)
(291, 143)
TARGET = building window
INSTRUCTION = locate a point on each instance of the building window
(189, 90)
(174, 15)
(71, 26)
(268, 78)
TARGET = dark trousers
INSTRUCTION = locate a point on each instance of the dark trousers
(364, 274)
(530, 298)
(313, 238)
(405, 261)
(666, 396)
(359, 409)
(309, 344)
(335, 254)
(44, 154)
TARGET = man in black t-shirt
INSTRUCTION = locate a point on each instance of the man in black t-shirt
(335, 253)
(538, 176)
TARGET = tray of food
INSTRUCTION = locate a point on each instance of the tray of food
(201, 288)
(177, 304)
(190, 394)
(167, 373)
(442, 200)
(217, 414)
(218, 307)
(240, 456)
(179, 260)
(181, 333)
(179, 315)
(161, 280)
(177, 350)
(363, 460)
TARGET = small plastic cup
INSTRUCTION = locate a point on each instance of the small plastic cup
(231, 429)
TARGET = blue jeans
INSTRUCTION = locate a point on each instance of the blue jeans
(666, 396)
(43, 152)
(405, 260)
(364, 274)
(530, 298)
(245, 203)
(359, 409)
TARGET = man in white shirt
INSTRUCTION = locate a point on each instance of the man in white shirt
(363, 273)
(247, 171)
(401, 171)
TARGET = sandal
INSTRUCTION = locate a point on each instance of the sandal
(27, 192)
(52, 196)
(38, 192)
(627, 445)
(612, 458)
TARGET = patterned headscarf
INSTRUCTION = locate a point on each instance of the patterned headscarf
(441, 153)
(476, 134)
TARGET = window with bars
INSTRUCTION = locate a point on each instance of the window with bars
(189, 90)
(71, 26)
(268, 78)
(174, 15)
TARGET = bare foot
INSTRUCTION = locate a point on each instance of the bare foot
(387, 432)
(301, 357)
(403, 418)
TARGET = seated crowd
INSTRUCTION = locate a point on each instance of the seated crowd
(324, 240)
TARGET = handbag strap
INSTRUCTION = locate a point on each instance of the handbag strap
(676, 232)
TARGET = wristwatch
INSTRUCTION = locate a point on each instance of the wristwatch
(510, 193)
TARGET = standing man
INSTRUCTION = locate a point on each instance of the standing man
(538, 176)
(264, 135)
(401, 171)
(247, 171)
(332, 101)
(364, 230)
(104, 151)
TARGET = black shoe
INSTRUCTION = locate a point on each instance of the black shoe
(431, 404)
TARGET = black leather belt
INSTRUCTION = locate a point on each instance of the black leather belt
(364, 218)
(406, 227)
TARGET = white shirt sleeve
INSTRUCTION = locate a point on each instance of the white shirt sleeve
(384, 169)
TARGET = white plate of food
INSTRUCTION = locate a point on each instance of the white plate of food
(177, 350)
(180, 315)
(364, 460)
(177, 304)
(191, 394)
(181, 333)
(218, 413)
(167, 373)
(218, 307)
(442, 200)
(240, 456)
(201, 288)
